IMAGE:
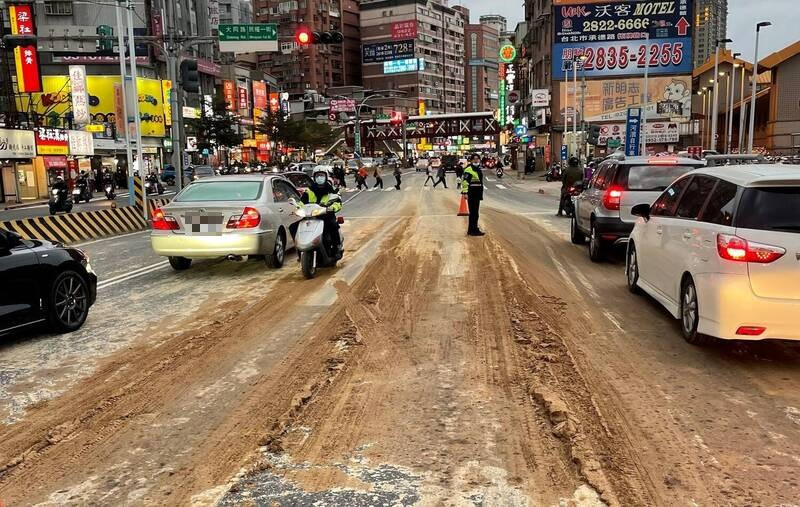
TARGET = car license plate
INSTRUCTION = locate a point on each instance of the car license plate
(203, 224)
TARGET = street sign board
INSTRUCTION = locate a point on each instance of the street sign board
(520, 130)
(247, 38)
(343, 106)
(564, 152)
(512, 97)
(632, 129)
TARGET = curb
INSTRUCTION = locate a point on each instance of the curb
(84, 225)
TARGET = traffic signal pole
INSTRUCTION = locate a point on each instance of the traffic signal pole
(136, 116)
(122, 73)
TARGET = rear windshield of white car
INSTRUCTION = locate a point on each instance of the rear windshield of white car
(770, 209)
(650, 178)
(204, 170)
(221, 191)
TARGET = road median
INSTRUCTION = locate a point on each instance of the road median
(83, 225)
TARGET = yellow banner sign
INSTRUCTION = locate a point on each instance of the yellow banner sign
(54, 102)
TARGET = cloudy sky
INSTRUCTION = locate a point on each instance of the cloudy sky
(742, 17)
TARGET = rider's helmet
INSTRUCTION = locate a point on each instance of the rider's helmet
(320, 176)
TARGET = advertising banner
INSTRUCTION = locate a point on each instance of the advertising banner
(540, 98)
(105, 101)
(244, 103)
(51, 141)
(408, 65)
(404, 30)
(385, 51)
(608, 100)
(80, 143)
(274, 103)
(166, 94)
(611, 36)
(633, 127)
(657, 133)
(17, 143)
(26, 58)
(343, 106)
(80, 97)
(259, 95)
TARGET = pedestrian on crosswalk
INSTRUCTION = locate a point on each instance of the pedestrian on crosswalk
(441, 177)
(397, 175)
(361, 177)
(430, 177)
(378, 179)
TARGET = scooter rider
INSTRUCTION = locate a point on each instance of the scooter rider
(572, 175)
(321, 192)
(60, 184)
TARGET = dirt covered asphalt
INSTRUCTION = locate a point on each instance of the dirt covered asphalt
(429, 369)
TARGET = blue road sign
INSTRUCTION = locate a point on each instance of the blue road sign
(520, 130)
(633, 129)
(564, 152)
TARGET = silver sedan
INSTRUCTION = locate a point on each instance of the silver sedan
(229, 216)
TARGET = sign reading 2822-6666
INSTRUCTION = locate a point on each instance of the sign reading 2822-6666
(611, 35)
(386, 51)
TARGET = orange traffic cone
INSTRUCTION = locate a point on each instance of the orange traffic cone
(462, 208)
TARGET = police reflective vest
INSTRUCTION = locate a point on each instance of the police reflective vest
(472, 181)
(332, 201)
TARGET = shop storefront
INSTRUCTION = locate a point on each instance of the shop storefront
(19, 179)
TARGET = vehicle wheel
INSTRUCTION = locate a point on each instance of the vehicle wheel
(307, 263)
(596, 247)
(180, 263)
(68, 306)
(171, 181)
(52, 210)
(275, 260)
(632, 269)
(68, 208)
(575, 234)
(690, 315)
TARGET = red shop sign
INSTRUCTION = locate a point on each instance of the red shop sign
(26, 58)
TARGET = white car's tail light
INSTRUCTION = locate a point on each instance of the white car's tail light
(750, 330)
(249, 218)
(612, 198)
(734, 248)
(162, 222)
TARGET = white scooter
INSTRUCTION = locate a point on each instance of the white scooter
(315, 251)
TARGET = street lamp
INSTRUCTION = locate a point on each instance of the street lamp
(378, 94)
(759, 26)
(732, 85)
(715, 108)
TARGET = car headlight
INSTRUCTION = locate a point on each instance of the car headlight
(89, 268)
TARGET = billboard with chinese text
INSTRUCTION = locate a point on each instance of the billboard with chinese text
(610, 37)
(608, 100)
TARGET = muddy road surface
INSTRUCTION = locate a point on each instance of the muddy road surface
(429, 369)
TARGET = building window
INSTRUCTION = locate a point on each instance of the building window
(59, 8)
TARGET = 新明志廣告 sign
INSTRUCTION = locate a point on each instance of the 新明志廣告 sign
(611, 36)
(385, 51)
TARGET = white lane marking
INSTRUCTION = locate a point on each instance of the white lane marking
(561, 270)
(110, 238)
(586, 283)
(388, 189)
(359, 193)
(489, 179)
(131, 275)
(501, 187)
(408, 189)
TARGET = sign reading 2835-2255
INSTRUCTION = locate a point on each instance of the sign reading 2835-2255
(609, 37)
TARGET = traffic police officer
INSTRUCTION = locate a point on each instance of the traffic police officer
(472, 187)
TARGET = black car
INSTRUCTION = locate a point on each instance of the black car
(451, 163)
(43, 282)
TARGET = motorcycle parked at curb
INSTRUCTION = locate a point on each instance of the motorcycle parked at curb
(60, 200)
(313, 242)
(554, 174)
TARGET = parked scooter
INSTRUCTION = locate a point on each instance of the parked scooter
(60, 200)
(313, 243)
(554, 174)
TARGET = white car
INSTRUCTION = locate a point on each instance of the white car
(720, 250)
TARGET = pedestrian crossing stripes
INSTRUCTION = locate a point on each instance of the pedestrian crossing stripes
(84, 225)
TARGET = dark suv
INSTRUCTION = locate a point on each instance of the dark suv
(450, 163)
(603, 209)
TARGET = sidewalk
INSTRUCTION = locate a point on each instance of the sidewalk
(41, 202)
(533, 183)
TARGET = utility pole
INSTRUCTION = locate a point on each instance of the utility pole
(137, 118)
(123, 85)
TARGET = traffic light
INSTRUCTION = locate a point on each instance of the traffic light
(593, 134)
(190, 78)
(105, 46)
(397, 118)
(305, 36)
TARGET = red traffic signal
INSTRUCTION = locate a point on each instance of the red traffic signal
(304, 36)
(397, 118)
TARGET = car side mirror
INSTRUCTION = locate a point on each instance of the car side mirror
(293, 201)
(641, 210)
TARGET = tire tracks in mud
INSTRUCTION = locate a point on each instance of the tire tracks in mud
(126, 411)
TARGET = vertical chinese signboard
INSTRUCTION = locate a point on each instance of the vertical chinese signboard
(229, 92)
(79, 94)
(501, 92)
(166, 97)
(26, 58)
(259, 100)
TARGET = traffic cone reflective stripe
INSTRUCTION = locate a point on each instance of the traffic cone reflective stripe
(462, 208)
